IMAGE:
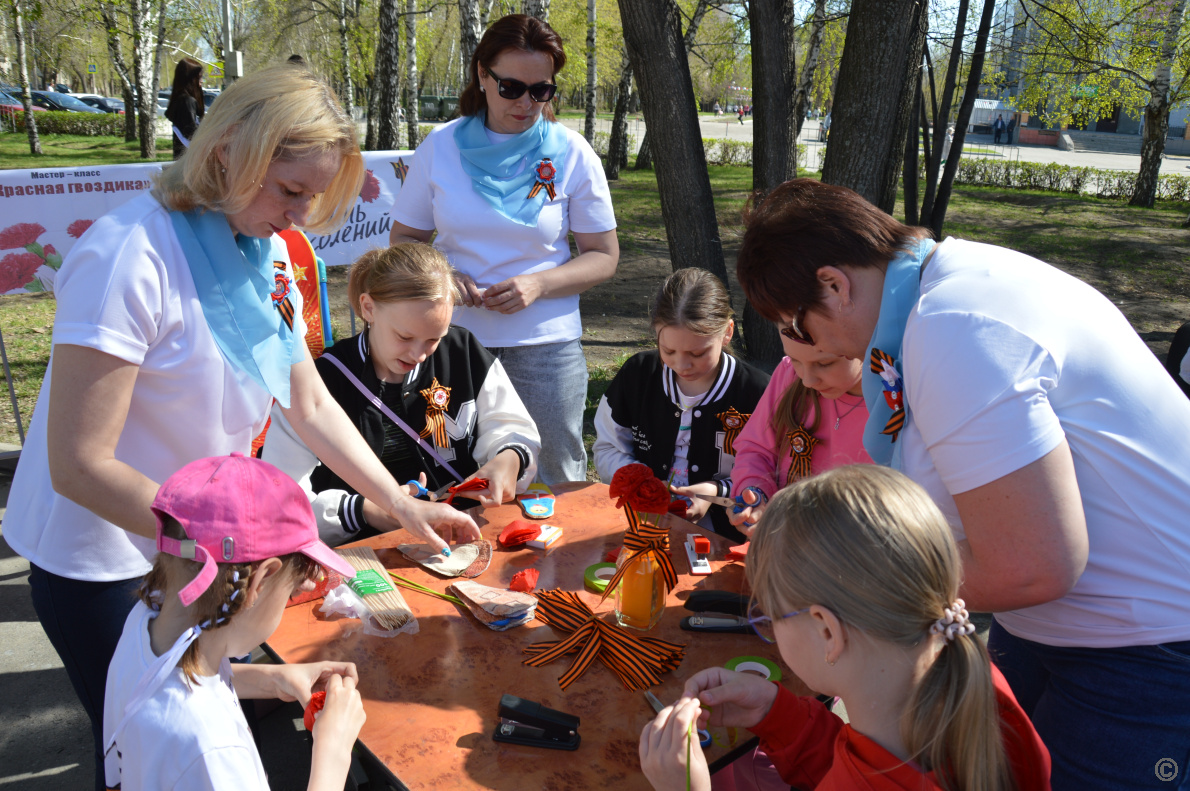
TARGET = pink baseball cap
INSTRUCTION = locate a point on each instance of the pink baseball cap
(238, 509)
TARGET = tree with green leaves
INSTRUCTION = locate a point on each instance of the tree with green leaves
(1083, 58)
(18, 30)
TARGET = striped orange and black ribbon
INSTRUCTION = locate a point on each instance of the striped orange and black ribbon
(636, 660)
(643, 537)
(281, 298)
(801, 448)
(897, 421)
(733, 423)
(437, 399)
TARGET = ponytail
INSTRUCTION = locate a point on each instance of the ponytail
(797, 403)
(952, 724)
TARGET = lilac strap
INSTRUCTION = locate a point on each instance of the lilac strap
(376, 402)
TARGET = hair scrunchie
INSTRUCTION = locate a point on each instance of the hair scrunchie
(955, 621)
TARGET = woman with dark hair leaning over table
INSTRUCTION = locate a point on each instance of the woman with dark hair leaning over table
(1049, 435)
(177, 325)
(503, 186)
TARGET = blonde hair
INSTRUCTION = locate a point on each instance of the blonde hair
(171, 573)
(277, 113)
(403, 272)
(869, 545)
(692, 299)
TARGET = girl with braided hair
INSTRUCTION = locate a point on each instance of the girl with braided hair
(855, 576)
(171, 718)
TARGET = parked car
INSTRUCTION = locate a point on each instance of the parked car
(102, 102)
(52, 100)
(10, 105)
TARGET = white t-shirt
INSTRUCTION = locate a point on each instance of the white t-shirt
(479, 241)
(1004, 356)
(186, 737)
(125, 289)
(680, 466)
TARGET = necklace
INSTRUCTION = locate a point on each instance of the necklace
(839, 418)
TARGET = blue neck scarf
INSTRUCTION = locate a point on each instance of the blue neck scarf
(493, 167)
(235, 280)
(884, 390)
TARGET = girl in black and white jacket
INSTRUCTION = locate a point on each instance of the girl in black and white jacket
(437, 378)
(679, 408)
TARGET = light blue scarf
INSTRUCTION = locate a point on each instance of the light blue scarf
(493, 167)
(883, 385)
(234, 277)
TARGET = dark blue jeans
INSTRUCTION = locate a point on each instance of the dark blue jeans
(1112, 718)
(84, 621)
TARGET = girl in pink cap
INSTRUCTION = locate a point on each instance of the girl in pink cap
(235, 538)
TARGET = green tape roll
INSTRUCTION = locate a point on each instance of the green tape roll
(755, 664)
(599, 575)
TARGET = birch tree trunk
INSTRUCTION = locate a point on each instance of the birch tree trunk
(589, 96)
(345, 54)
(1152, 149)
(874, 97)
(537, 8)
(469, 32)
(141, 14)
(653, 37)
(809, 65)
(617, 144)
(18, 33)
(387, 75)
(411, 85)
(942, 116)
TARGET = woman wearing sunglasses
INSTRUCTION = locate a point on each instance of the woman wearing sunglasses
(503, 186)
(1048, 434)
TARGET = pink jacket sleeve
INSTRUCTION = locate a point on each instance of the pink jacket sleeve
(757, 445)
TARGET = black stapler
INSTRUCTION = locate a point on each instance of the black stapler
(533, 725)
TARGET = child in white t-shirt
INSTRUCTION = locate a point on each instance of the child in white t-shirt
(171, 717)
(680, 407)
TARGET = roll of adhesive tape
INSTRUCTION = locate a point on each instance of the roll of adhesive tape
(599, 575)
(755, 664)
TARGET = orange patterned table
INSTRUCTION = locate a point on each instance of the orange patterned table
(431, 698)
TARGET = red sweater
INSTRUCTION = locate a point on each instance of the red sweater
(813, 748)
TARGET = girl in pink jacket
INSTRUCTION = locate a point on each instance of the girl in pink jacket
(810, 419)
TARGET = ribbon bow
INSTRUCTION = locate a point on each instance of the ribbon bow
(884, 366)
(801, 447)
(638, 661)
(641, 538)
(545, 178)
(437, 399)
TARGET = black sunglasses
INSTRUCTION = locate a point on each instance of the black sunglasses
(794, 331)
(515, 89)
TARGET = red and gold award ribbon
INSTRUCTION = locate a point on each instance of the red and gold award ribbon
(545, 178)
(280, 294)
(437, 400)
(801, 447)
(733, 422)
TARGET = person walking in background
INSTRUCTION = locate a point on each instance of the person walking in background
(997, 129)
(1011, 128)
(186, 103)
(503, 186)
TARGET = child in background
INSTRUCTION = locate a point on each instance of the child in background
(810, 419)
(680, 408)
(171, 715)
(859, 574)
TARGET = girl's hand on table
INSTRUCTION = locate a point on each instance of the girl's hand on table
(513, 295)
(698, 507)
(745, 521)
(730, 699)
(299, 682)
(501, 473)
(665, 745)
(436, 524)
(468, 290)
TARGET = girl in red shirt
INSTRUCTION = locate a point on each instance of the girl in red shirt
(855, 576)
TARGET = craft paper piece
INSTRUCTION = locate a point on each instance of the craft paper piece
(462, 558)
(524, 580)
(496, 608)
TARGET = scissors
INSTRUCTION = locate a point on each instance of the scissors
(704, 737)
(433, 496)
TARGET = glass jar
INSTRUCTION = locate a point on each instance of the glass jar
(640, 596)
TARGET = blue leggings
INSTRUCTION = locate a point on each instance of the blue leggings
(84, 621)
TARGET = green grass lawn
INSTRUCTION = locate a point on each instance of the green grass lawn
(64, 151)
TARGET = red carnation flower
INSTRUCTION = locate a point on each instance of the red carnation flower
(17, 270)
(678, 508)
(371, 189)
(49, 249)
(626, 480)
(651, 497)
(78, 228)
(19, 235)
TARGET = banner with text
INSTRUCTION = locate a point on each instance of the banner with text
(43, 213)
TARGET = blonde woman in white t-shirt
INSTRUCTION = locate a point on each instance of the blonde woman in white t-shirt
(502, 187)
(177, 326)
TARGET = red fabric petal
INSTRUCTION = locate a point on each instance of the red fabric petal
(317, 701)
(738, 552)
(612, 555)
(519, 532)
(524, 580)
(678, 508)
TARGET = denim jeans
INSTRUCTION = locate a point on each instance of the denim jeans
(1112, 718)
(84, 621)
(551, 378)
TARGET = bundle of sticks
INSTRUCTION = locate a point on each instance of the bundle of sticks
(371, 583)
